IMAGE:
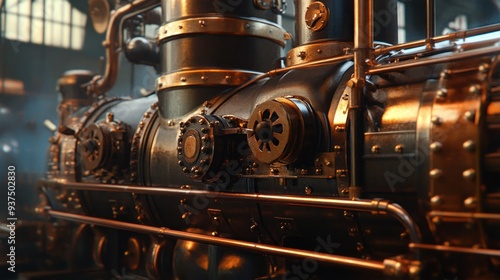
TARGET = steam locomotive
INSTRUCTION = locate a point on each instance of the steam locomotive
(351, 156)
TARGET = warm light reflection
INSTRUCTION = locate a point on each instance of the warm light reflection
(230, 262)
(202, 261)
(10, 86)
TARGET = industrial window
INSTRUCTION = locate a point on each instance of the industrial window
(45, 22)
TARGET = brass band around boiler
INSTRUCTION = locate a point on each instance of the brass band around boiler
(204, 77)
(224, 25)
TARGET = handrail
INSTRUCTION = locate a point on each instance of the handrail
(375, 206)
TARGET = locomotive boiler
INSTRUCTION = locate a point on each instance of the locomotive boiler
(352, 156)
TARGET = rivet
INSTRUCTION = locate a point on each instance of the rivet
(171, 123)
(470, 115)
(436, 200)
(201, 121)
(474, 89)
(399, 149)
(183, 79)
(160, 85)
(436, 120)
(204, 78)
(227, 77)
(337, 148)
(215, 233)
(375, 149)
(319, 51)
(469, 145)
(185, 170)
(303, 172)
(436, 146)
(202, 23)
(180, 162)
(165, 30)
(180, 26)
(470, 202)
(247, 26)
(469, 174)
(436, 220)
(445, 74)
(435, 173)
(308, 190)
(483, 68)
(441, 94)
(339, 129)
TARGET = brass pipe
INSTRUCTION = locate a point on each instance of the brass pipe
(374, 206)
(379, 69)
(101, 84)
(454, 249)
(465, 215)
(220, 241)
(448, 37)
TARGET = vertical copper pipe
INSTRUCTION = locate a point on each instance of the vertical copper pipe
(363, 44)
(101, 85)
(431, 19)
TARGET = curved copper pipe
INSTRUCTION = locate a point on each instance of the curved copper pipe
(101, 84)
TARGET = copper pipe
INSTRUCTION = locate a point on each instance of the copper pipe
(220, 241)
(101, 84)
(363, 52)
(379, 69)
(465, 215)
(448, 37)
(374, 206)
(454, 249)
(431, 19)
